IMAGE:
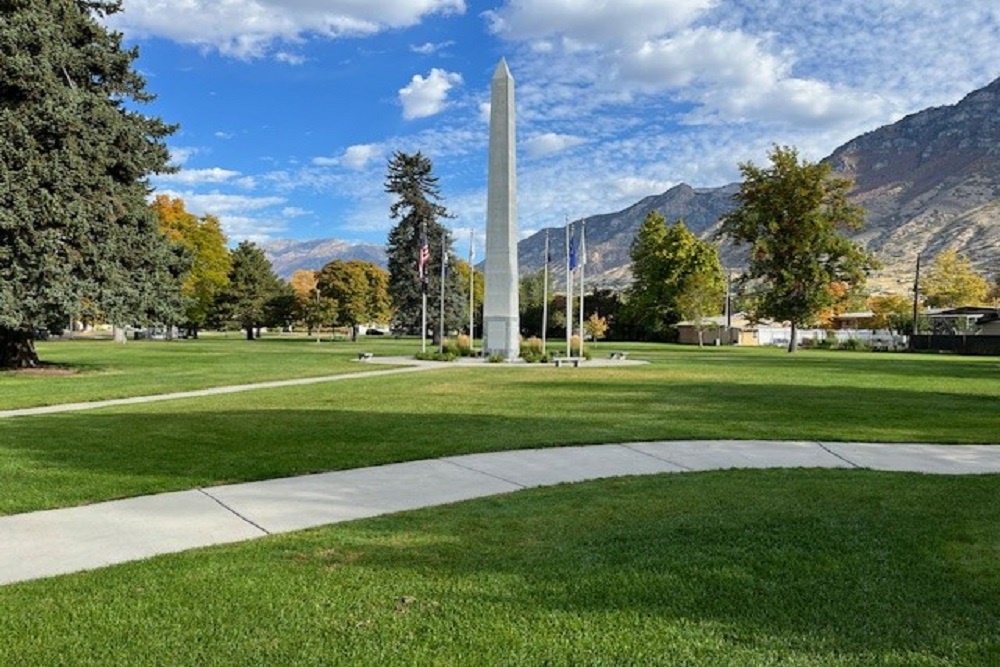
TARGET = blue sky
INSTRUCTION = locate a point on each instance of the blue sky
(289, 109)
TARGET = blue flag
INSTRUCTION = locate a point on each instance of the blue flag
(572, 252)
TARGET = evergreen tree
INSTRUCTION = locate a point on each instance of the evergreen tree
(418, 210)
(252, 286)
(74, 158)
(791, 214)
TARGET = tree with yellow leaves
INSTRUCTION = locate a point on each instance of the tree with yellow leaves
(205, 243)
(952, 282)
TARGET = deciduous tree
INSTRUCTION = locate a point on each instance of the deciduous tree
(205, 243)
(665, 260)
(359, 291)
(75, 153)
(791, 215)
(951, 282)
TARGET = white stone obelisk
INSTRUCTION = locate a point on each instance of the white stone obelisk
(500, 308)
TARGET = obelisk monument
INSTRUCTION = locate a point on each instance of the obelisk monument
(500, 308)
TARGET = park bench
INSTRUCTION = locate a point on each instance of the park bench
(618, 356)
(559, 361)
(364, 356)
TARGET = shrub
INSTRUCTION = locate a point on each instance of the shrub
(464, 343)
(436, 355)
(854, 345)
(531, 349)
(496, 358)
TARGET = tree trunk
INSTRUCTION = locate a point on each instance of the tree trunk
(119, 334)
(249, 332)
(793, 341)
(17, 348)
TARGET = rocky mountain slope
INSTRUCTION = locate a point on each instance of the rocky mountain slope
(287, 257)
(928, 182)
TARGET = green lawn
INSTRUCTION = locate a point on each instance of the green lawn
(797, 568)
(684, 393)
(100, 369)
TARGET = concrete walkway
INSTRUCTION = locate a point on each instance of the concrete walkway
(405, 365)
(48, 543)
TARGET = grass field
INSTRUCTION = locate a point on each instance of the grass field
(683, 393)
(781, 567)
(798, 568)
(89, 370)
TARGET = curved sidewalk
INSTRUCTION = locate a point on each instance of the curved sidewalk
(53, 542)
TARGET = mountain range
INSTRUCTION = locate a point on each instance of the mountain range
(928, 182)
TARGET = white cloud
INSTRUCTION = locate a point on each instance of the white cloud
(593, 21)
(425, 97)
(199, 176)
(551, 143)
(179, 155)
(290, 58)
(357, 157)
(251, 28)
(733, 77)
(430, 48)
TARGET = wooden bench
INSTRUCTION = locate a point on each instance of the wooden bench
(364, 356)
(618, 356)
(567, 360)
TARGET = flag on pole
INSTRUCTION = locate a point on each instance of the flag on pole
(572, 251)
(424, 257)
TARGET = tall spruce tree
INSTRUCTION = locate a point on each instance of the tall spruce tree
(74, 158)
(418, 209)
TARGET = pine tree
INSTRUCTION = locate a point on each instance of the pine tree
(251, 289)
(74, 158)
(418, 210)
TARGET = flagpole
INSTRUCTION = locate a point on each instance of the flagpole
(581, 262)
(444, 264)
(472, 290)
(569, 293)
(422, 265)
(545, 293)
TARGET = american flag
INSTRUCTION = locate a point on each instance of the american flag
(425, 257)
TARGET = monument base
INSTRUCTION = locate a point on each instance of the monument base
(503, 337)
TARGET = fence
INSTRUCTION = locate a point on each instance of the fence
(978, 345)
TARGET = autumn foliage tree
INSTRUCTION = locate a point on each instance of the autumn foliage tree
(951, 282)
(311, 307)
(210, 262)
(359, 291)
(792, 215)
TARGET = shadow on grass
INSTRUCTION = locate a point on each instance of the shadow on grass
(73, 458)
